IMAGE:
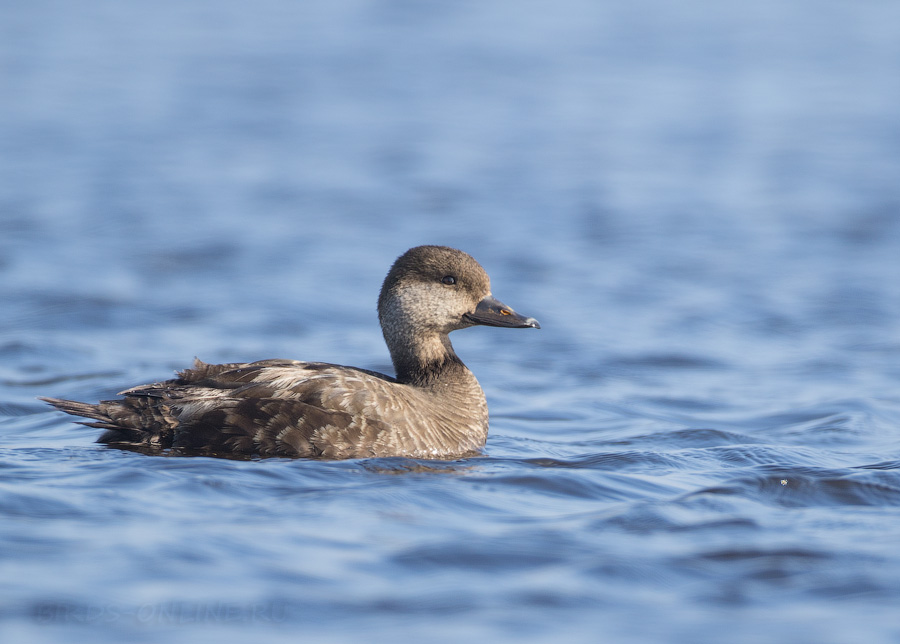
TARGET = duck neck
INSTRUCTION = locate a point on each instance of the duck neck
(425, 360)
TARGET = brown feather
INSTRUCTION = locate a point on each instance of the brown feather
(435, 408)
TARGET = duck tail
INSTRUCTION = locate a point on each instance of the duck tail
(86, 410)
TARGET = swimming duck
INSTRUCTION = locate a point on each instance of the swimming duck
(433, 407)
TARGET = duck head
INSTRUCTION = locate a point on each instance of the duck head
(441, 289)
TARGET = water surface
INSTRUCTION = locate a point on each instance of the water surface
(699, 203)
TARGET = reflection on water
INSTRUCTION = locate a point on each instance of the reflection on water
(700, 205)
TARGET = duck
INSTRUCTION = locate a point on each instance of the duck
(432, 408)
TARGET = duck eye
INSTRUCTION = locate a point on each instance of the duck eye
(448, 279)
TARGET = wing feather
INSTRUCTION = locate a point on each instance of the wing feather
(265, 408)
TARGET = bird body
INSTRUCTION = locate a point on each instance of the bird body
(433, 408)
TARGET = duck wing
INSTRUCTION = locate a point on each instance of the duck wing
(266, 408)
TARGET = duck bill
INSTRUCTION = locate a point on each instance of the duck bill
(492, 312)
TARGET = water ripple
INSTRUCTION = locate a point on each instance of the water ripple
(699, 204)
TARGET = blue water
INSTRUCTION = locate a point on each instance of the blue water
(700, 202)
